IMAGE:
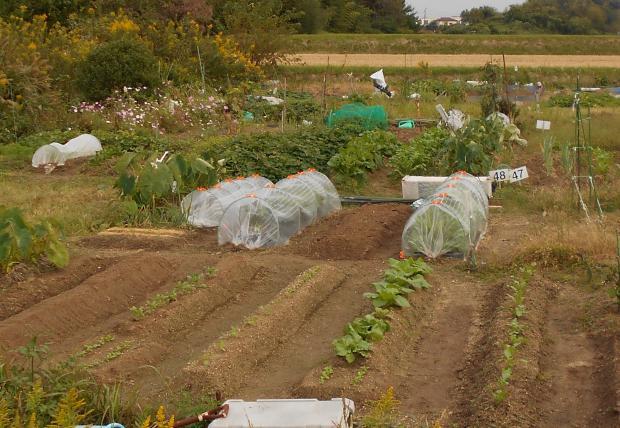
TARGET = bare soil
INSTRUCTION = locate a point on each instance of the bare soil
(464, 60)
(263, 325)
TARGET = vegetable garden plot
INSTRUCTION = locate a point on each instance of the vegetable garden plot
(273, 214)
(451, 222)
(204, 208)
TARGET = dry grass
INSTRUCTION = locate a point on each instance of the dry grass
(81, 203)
(447, 60)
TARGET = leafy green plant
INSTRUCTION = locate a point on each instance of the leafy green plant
(602, 161)
(352, 345)
(387, 295)
(22, 242)
(419, 157)
(473, 147)
(89, 348)
(397, 282)
(326, 374)
(515, 332)
(277, 155)
(362, 155)
(408, 273)
(373, 326)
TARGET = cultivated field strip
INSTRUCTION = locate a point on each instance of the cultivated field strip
(464, 60)
(97, 298)
(262, 325)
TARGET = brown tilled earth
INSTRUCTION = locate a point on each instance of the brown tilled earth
(263, 325)
(457, 60)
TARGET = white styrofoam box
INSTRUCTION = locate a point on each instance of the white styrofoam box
(416, 187)
(294, 413)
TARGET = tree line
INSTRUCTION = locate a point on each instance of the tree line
(544, 16)
(342, 16)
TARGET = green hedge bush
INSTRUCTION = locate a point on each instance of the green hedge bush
(112, 65)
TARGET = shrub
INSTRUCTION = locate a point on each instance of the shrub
(22, 242)
(112, 65)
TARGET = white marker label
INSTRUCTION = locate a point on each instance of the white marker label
(545, 125)
(500, 174)
(518, 174)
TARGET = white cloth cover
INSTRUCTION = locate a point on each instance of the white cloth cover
(57, 154)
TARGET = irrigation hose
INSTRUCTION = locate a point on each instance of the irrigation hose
(361, 200)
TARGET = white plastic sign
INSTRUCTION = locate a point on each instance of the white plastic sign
(501, 174)
(511, 175)
(545, 125)
(518, 174)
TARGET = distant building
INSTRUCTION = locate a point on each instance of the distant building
(447, 21)
(426, 21)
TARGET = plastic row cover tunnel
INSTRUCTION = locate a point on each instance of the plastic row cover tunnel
(451, 221)
(205, 207)
(270, 216)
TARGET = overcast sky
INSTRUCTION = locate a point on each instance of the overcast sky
(438, 8)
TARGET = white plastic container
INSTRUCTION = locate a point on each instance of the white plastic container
(416, 187)
(304, 413)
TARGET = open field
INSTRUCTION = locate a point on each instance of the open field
(237, 332)
(451, 60)
(450, 44)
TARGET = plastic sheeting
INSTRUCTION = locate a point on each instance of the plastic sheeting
(450, 222)
(272, 215)
(328, 200)
(57, 154)
(205, 207)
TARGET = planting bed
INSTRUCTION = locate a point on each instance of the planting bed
(260, 324)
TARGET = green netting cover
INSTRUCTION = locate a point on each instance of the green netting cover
(371, 117)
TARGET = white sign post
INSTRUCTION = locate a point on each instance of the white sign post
(543, 125)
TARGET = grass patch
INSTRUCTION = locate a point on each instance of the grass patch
(522, 44)
(81, 203)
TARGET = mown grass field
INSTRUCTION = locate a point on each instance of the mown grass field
(530, 44)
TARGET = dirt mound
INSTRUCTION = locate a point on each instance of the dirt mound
(97, 298)
(35, 289)
(151, 239)
(367, 232)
